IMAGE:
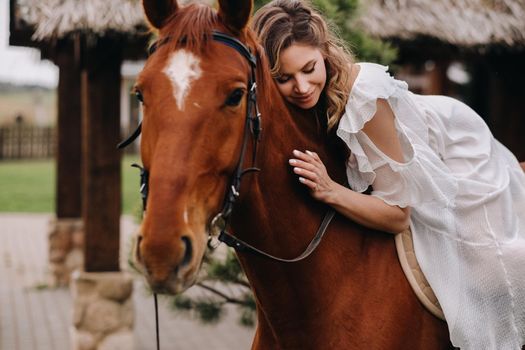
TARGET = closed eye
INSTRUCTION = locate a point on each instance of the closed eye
(285, 78)
(282, 79)
(310, 70)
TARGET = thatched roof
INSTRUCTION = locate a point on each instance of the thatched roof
(57, 18)
(464, 23)
(54, 19)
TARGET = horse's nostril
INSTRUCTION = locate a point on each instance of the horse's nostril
(187, 251)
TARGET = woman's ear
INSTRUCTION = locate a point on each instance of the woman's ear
(234, 14)
(157, 11)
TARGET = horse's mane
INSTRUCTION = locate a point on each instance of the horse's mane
(192, 25)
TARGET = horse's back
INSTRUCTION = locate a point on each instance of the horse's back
(362, 299)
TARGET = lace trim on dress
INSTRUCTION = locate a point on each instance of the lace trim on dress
(361, 105)
(422, 178)
(360, 108)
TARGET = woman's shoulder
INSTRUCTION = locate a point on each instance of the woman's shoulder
(374, 80)
(371, 68)
(367, 71)
(371, 82)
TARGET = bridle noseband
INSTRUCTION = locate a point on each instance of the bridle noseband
(217, 228)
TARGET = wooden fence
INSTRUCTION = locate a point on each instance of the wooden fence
(25, 141)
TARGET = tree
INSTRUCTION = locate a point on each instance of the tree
(342, 15)
(223, 283)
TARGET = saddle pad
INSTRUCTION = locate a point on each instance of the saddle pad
(407, 258)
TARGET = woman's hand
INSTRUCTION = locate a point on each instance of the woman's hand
(364, 209)
(312, 173)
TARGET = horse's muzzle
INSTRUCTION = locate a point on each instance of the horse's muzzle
(167, 271)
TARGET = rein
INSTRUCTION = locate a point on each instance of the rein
(157, 320)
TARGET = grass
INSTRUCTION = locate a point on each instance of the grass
(131, 200)
(29, 186)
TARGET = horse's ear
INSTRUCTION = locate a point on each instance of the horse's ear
(157, 11)
(235, 14)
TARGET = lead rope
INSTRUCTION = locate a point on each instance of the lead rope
(157, 320)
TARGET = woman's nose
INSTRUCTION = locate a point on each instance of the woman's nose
(301, 85)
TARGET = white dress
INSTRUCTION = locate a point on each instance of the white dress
(467, 193)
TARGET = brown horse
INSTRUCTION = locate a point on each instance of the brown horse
(351, 292)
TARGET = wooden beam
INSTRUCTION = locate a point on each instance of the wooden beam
(506, 100)
(101, 195)
(438, 78)
(69, 151)
(134, 44)
(19, 32)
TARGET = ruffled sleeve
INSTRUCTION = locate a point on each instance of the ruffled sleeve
(422, 177)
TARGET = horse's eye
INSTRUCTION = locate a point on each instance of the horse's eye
(235, 98)
(139, 97)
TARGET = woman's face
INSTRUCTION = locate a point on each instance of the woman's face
(302, 76)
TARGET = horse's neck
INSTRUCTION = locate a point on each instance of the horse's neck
(278, 215)
(275, 198)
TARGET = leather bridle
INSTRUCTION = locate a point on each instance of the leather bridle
(217, 228)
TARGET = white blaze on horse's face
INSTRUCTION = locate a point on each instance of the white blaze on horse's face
(182, 69)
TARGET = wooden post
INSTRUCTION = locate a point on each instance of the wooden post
(507, 100)
(19, 136)
(438, 78)
(69, 151)
(101, 195)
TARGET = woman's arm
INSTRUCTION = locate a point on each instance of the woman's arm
(369, 211)
(366, 210)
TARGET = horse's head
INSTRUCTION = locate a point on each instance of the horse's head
(195, 94)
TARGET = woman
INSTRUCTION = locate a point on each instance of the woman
(433, 166)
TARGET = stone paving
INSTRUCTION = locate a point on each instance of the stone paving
(36, 317)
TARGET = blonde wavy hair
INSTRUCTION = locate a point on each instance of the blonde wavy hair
(281, 23)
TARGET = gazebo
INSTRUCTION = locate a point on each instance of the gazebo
(488, 37)
(88, 41)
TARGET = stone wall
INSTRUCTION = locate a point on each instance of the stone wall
(66, 243)
(102, 311)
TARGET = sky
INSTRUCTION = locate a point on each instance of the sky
(22, 65)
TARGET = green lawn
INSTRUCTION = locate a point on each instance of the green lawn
(29, 186)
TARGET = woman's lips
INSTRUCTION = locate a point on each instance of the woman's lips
(304, 98)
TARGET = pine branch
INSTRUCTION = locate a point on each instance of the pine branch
(226, 298)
